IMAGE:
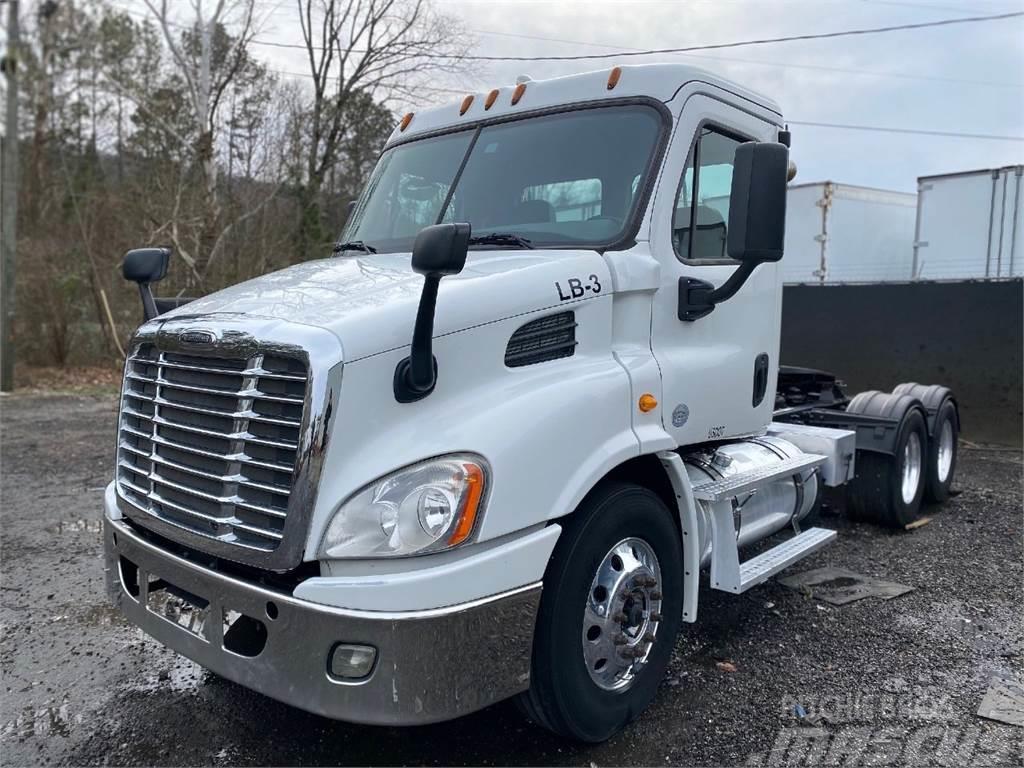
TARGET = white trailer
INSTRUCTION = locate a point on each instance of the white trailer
(969, 225)
(841, 233)
(487, 450)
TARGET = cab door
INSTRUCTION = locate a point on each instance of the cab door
(719, 371)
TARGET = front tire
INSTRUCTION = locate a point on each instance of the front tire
(609, 614)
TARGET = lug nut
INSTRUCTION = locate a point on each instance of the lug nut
(655, 616)
(619, 639)
(656, 595)
(648, 637)
(620, 617)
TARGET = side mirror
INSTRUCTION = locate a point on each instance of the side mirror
(438, 251)
(146, 266)
(441, 249)
(757, 225)
(757, 204)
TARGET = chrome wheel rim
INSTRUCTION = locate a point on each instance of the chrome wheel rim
(622, 614)
(944, 461)
(911, 467)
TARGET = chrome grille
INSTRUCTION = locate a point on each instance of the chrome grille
(211, 443)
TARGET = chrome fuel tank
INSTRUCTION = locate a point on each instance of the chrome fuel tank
(763, 512)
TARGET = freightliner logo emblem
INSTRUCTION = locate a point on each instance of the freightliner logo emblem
(195, 337)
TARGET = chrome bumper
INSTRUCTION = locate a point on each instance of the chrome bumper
(431, 665)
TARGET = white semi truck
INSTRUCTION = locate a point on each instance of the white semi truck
(489, 448)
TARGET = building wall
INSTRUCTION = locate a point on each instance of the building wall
(966, 335)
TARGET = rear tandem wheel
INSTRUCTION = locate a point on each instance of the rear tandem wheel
(889, 488)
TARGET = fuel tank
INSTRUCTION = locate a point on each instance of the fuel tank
(764, 511)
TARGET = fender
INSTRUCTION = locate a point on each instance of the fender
(687, 509)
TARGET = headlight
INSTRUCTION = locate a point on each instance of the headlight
(423, 508)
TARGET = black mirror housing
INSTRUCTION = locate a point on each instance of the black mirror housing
(441, 249)
(757, 225)
(146, 265)
(757, 203)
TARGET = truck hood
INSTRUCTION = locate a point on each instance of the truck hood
(370, 302)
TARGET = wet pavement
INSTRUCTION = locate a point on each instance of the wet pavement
(884, 681)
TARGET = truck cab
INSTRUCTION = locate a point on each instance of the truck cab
(488, 448)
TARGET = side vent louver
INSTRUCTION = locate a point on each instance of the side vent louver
(548, 338)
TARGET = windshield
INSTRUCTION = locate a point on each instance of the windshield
(566, 179)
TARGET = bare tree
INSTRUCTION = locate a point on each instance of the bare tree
(364, 48)
(204, 84)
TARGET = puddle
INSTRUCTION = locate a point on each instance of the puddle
(41, 721)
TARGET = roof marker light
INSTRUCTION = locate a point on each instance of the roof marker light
(466, 104)
(613, 77)
(490, 99)
(518, 93)
(405, 121)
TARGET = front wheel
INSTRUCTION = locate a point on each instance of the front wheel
(609, 614)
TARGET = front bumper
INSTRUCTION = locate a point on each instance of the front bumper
(431, 665)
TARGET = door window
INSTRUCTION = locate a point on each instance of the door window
(701, 217)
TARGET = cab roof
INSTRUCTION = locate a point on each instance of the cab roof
(657, 81)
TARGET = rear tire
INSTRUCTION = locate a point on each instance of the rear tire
(943, 453)
(888, 489)
(583, 684)
(945, 432)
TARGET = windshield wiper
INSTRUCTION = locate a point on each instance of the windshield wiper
(354, 245)
(501, 238)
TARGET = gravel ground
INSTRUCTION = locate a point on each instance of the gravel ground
(895, 681)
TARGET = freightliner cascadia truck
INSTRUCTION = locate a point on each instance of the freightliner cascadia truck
(493, 445)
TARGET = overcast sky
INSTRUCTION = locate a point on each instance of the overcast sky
(964, 78)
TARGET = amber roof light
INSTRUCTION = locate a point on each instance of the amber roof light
(405, 121)
(490, 99)
(613, 77)
(466, 104)
(518, 93)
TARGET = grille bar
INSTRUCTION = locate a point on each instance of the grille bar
(210, 443)
(242, 458)
(236, 478)
(253, 393)
(247, 436)
(250, 414)
(260, 372)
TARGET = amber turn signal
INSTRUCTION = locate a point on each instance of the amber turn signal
(647, 402)
(471, 505)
